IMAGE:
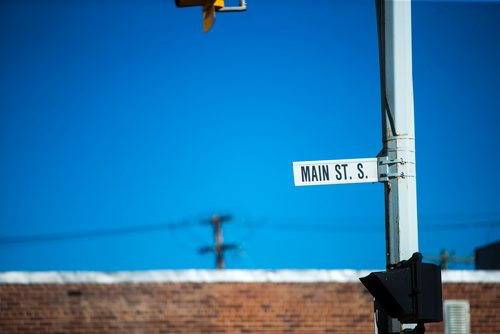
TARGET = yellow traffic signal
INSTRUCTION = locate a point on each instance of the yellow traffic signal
(209, 9)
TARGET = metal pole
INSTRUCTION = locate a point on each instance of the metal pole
(395, 47)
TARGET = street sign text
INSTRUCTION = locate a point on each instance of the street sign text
(309, 173)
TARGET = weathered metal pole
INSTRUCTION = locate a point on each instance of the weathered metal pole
(395, 51)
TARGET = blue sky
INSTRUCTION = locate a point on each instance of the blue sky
(118, 114)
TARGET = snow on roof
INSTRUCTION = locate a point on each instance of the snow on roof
(216, 276)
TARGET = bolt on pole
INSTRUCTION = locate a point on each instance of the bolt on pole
(398, 133)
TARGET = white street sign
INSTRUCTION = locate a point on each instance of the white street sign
(312, 173)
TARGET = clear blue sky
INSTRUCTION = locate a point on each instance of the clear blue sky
(118, 114)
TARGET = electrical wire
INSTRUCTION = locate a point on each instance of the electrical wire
(263, 224)
(91, 234)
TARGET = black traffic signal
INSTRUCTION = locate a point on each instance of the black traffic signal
(409, 292)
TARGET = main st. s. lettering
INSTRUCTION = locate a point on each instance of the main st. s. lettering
(341, 171)
(361, 173)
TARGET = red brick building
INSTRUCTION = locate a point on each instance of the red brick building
(231, 301)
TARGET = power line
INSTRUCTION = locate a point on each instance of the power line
(445, 258)
(91, 234)
(307, 227)
(461, 225)
(370, 228)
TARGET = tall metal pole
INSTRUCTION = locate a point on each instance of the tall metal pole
(395, 48)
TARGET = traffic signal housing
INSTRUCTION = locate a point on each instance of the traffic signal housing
(409, 292)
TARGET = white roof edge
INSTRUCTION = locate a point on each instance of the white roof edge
(220, 276)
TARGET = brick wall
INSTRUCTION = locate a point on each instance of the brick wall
(484, 300)
(214, 307)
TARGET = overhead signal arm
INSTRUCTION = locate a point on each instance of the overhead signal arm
(209, 9)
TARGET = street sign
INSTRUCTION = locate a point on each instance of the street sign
(321, 172)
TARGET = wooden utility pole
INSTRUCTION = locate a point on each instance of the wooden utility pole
(444, 258)
(219, 247)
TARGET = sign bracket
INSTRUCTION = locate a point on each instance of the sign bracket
(384, 169)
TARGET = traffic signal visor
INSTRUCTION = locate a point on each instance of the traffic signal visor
(410, 292)
(209, 9)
